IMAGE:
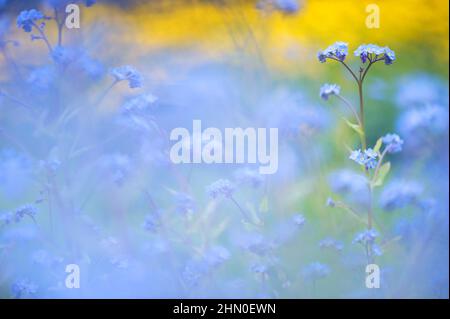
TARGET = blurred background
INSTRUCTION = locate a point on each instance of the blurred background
(86, 179)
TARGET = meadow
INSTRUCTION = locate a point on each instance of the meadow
(86, 176)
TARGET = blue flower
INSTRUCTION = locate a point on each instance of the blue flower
(26, 210)
(393, 143)
(128, 73)
(338, 50)
(299, 220)
(221, 187)
(329, 89)
(185, 204)
(248, 177)
(330, 243)
(423, 124)
(23, 288)
(389, 56)
(368, 158)
(399, 194)
(287, 6)
(316, 270)
(365, 237)
(152, 222)
(63, 55)
(27, 18)
(374, 52)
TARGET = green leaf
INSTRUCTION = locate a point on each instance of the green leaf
(355, 127)
(382, 173)
(264, 205)
(377, 146)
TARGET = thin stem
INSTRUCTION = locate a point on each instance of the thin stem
(43, 37)
(347, 67)
(244, 213)
(361, 114)
(105, 93)
(349, 105)
(60, 25)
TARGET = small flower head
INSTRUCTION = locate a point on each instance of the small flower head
(329, 89)
(221, 187)
(365, 237)
(374, 52)
(316, 271)
(368, 158)
(299, 220)
(185, 204)
(27, 18)
(338, 50)
(399, 194)
(393, 143)
(330, 243)
(128, 73)
(23, 288)
(330, 202)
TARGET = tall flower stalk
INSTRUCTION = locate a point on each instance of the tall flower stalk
(371, 159)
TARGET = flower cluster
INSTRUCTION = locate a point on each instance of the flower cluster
(18, 214)
(127, 73)
(374, 53)
(338, 50)
(366, 52)
(366, 237)
(316, 271)
(27, 18)
(368, 158)
(221, 187)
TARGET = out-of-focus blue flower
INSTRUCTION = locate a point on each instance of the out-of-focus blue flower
(423, 124)
(117, 166)
(287, 6)
(216, 256)
(299, 220)
(23, 288)
(399, 194)
(365, 237)
(184, 203)
(6, 218)
(330, 243)
(220, 187)
(248, 176)
(376, 250)
(139, 105)
(42, 78)
(329, 89)
(63, 55)
(419, 89)
(26, 210)
(127, 73)
(347, 182)
(373, 52)
(316, 270)
(368, 158)
(330, 202)
(338, 50)
(152, 221)
(27, 18)
(393, 143)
